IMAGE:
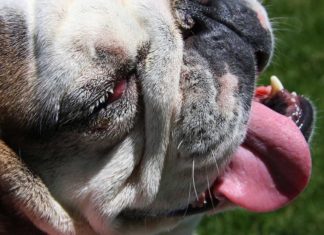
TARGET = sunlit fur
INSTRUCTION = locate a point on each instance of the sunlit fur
(151, 152)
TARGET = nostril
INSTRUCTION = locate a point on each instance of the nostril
(196, 29)
(204, 2)
(191, 18)
(262, 59)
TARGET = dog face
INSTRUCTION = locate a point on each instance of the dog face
(129, 110)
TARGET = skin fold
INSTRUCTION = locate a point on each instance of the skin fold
(115, 113)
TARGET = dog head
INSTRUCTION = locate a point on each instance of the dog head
(131, 110)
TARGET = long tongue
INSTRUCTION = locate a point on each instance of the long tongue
(272, 166)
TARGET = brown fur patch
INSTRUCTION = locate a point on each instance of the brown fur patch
(15, 69)
(14, 175)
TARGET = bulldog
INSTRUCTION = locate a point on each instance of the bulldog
(137, 117)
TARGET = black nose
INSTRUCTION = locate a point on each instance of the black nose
(200, 17)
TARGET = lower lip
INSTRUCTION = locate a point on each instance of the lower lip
(118, 91)
(211, 204)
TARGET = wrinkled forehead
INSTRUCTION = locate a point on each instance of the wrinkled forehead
(117, 25)
(122, 25)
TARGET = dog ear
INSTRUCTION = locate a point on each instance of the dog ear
(24, 193)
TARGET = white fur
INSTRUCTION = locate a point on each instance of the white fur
(140, 170)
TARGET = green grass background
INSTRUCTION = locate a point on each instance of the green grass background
(299, 63)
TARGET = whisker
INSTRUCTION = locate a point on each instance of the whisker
(215, 160)
(209, 192)
(179, 145)
(185, 213)
(193, 179)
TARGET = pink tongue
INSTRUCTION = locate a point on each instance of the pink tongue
(272, 166)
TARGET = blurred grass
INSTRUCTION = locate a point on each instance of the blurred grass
(299, 62)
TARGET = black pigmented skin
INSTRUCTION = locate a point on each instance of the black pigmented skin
(224, 36)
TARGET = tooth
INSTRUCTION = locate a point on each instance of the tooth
(111, 91)
(276, 85)
(92, 108)
(102, 99)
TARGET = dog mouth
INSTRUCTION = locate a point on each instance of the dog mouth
(273, 165)
(113, 94)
